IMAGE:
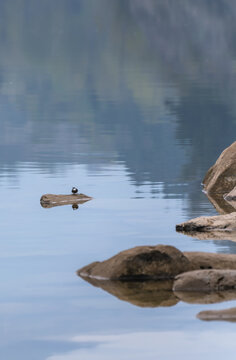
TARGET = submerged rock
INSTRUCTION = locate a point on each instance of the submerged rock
(219, 315)
(205, 281)
(51, 200)
(139, 263)
(209, 223)
(221, 177)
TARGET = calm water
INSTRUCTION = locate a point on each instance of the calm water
(131, 101)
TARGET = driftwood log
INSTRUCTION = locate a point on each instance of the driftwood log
(51, 200)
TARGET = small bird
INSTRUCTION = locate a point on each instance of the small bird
(74, 190)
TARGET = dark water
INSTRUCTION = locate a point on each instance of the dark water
(131, 101)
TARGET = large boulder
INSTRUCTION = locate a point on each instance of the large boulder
(205, 281)
(221, 177)
(209, 223)
(139, 263)
(155, 262)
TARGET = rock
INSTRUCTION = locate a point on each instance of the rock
(220, 204)
(139, 263)
(231, 196)
(206, 261)
(139, 293)
(155, 262)
(209, 223)
(51, 200)
(205, 280)
(219, 315)
(221, 177)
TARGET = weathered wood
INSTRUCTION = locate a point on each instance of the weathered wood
(51, 200)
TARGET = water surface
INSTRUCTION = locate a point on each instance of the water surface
(132, 101)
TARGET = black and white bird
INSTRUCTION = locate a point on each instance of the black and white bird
(74, 190)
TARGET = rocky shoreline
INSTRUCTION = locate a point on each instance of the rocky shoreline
(162, 275)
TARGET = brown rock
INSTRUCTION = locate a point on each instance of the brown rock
(209, 223)
(51, 200)
(219, 315)
(205, 280)
(142, 262)
(221, 177)
(139, 293)
(155, 262)
(205, 260)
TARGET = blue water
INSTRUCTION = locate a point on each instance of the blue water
(131, 101)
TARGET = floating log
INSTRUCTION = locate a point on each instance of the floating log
(51, 200)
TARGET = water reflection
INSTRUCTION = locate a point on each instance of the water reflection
(155, 103)
(137, 99)
(157, 293)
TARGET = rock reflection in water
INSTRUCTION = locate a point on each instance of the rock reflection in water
(220, 204)
(157, 293)
(139, 293)
(218, 315)
(194, 297)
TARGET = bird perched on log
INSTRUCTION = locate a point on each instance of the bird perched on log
(74, 190)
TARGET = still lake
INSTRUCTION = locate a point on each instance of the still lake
(131, 101)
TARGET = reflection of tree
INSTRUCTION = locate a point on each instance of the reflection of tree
(141, 82)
